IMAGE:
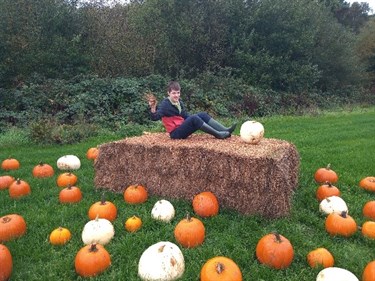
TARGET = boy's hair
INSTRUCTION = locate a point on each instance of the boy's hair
(173, 86)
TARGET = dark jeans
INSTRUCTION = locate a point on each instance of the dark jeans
(190, 125)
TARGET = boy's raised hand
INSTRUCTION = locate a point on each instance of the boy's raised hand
(152, 101)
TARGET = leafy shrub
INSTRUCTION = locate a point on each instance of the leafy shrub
(46, 132)
(68, 134)
(41, 132)
(53, 109)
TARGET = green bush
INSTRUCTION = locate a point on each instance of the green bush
(46, 132)
(53, 109)
(69, 134)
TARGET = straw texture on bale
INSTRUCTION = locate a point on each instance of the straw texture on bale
(251, 179)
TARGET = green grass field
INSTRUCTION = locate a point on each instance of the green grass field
(346, 140)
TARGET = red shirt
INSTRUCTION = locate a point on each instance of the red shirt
(171, 123)
(170, 115)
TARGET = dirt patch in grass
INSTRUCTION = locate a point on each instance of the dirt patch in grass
(252, 179)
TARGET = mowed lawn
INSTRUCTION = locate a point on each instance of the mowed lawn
(344, 139)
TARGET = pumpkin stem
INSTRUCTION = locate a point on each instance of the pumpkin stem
(219, 267)
(161, 249)
(93, 248)
(188, 217)
(41, 163)
(329, 166)
(102, 201)
(344, 214)
(6, 219)
(18, 180)
(277, 236)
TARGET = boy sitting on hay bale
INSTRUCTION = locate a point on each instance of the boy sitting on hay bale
(251, 179)
(177, 121)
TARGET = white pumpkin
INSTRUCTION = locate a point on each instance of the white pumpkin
(68, 162)
(98, 231)
(251, 132)
(162, 261)
(163, 210)
(335, 274)
(333, 204)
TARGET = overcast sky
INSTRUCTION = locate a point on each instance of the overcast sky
(370, 2)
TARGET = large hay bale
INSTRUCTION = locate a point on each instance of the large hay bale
(252, 179)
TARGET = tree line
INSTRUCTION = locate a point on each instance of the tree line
(285, 45)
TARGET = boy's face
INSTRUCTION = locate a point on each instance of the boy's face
(174, 95)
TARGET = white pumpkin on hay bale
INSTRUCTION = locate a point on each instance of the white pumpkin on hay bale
(252, 132)
(251, 179)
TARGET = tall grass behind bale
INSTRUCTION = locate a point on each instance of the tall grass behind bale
(251, 179)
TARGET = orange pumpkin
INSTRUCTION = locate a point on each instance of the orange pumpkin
(92, 260)
(6, 181)
(368, 229)
(92, 153)
(6, 262)
(189, 232)
(133, 224)
(135, 194)
(19, 188)
(103, 209)
(326, 174)
(205, 204)
(220, 269)
(275, 251)
(60, 236)
(320, 257)
(368, 184)
(43, 170)
(369, 272)
(340, 224)
(10, 164)
(369, 210)
(12, 226)
(327, 190)
(66, 179)
(70, 194)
